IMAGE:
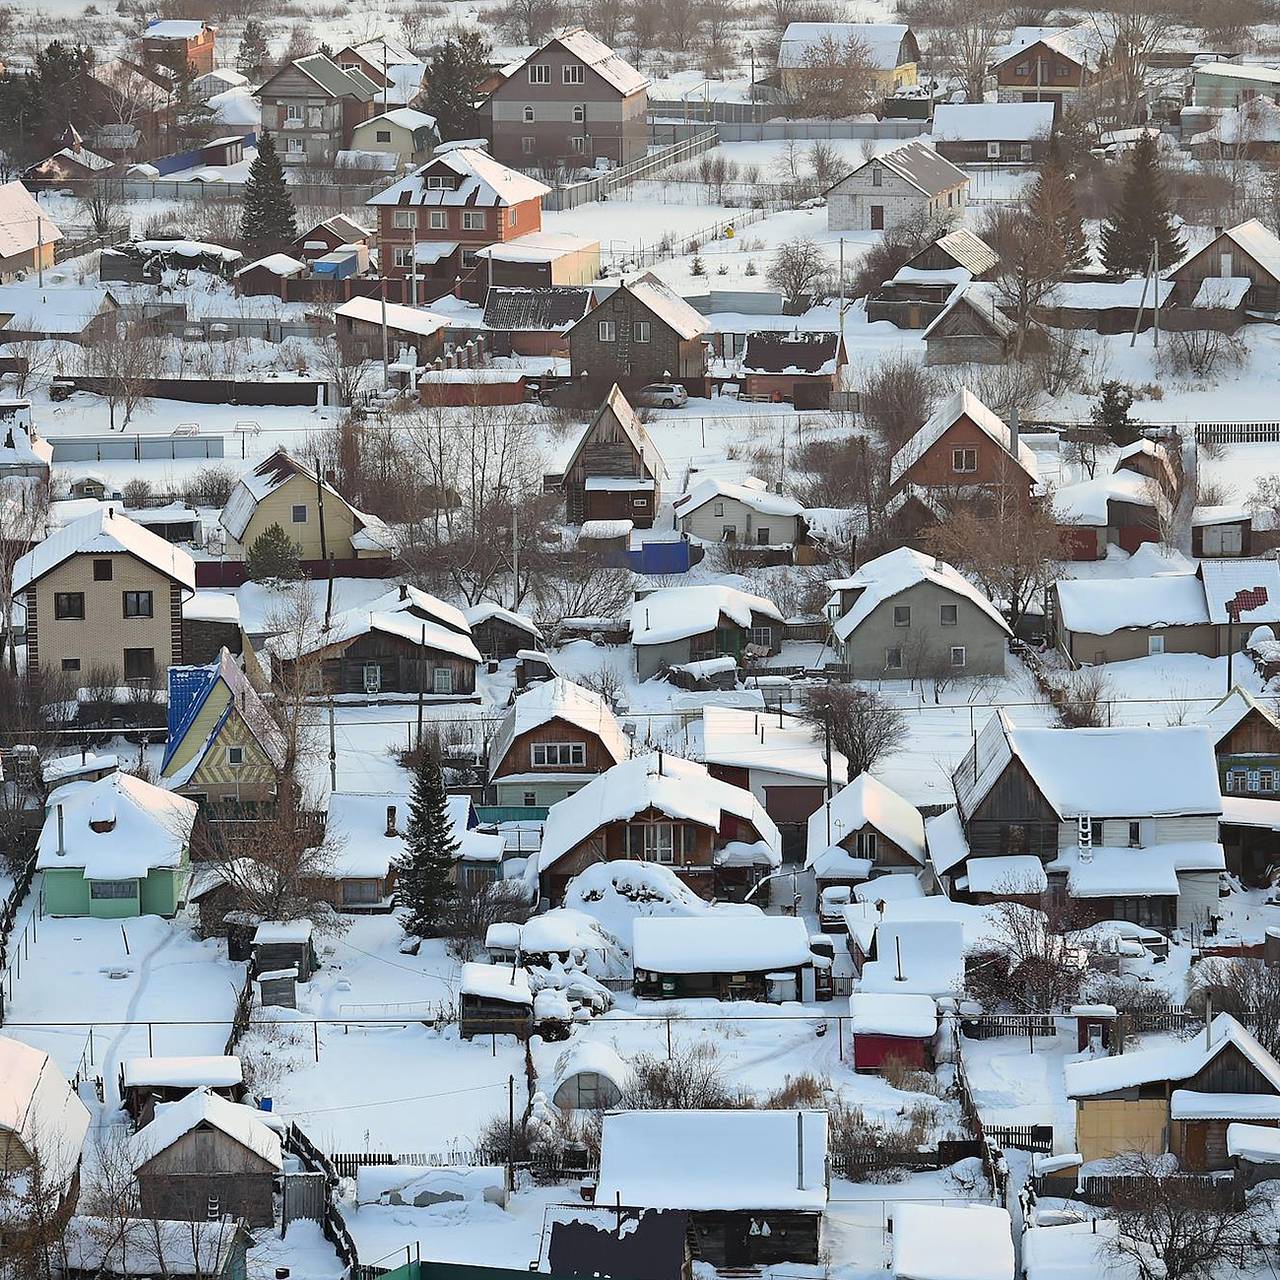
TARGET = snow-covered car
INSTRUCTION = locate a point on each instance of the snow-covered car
(831, 904)
(662, 395)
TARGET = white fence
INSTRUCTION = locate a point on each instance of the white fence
(1237, 432)
(571, 196)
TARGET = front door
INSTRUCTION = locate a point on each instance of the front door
(737, 1245)
(1155, 646)
(877, 217)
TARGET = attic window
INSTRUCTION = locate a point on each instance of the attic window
(877, 176)
(102, 571)
(540, 73)
(235, 755)
(441, 182)
(574, 74)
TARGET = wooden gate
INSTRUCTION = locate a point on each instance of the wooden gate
(304, 1197)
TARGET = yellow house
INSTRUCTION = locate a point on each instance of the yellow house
(282, 491)
(411, 135)
(27, 233)
(891, 48)
(224, 749)
(1177, 1098)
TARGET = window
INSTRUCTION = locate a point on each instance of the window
(589, 1092)
(526, 146)
(993, 151)
(295, 147)
(139, 664)
(957, 655)
(437, 220)
(948, 615)
(1024, 152)
(68, 604)
(763, 636)
(574, 74)
(113, 889)
(404, 218)
(901, 615)
(893, 659)
(1267, 779)
(440, 182)
(102, 570)
(762, 535)
(299, 513)
(528, 115)
(1255, 781)
(718, 509)
(513, 216)
(442, 680)
(137, 604)
(565, 754)
(1135, 835)
(402, 255)
(578, 144)
(865, 844)
(1238, 779)
(1022, 68)
(360, 891)
(472, 220)
(293, 111)
(235, 755)
(642, 330)
(608, 330)
(964, 460)
(579, 114)
(640, 503)
(659, 842)
(530, 799)
(539, 73)
(877, 176)
(71, 664)
(729, 533)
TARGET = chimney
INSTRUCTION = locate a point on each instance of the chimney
(1208, 1022)
(62, 846)
(391, 820)
(799, 1150)
(660, 762)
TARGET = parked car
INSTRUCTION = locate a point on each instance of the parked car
(831, 907)
(662, 395)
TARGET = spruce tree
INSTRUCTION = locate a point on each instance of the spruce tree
(1141, 216)
(1053, 202)
(424, 874)
(273, 554)
(1111, 412)
(267, 220)
(454, 77)
(253, 48)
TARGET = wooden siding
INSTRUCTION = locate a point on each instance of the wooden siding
(404, 666)
(277, 508)
(519, 757)
(934, 469)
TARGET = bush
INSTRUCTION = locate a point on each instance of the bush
(273, 556)
(803, 1092)
(874, 1152)
(689, 1080)
(210, 487)
(137, 492)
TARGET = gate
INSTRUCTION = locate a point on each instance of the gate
(304, 1197)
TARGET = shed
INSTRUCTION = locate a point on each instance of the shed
(597, 1242)
(494, 1000)
(892, 1028)
(952, 1242)
(285, 944)
(146, 1083)
(140, 1248)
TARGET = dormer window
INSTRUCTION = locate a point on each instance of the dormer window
(441, 182)
(877, 176)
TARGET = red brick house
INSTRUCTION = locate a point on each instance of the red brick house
(177, 43)
(432, 222)
(963, 448)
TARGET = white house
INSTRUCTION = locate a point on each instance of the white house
(908, 182)
(716, 510)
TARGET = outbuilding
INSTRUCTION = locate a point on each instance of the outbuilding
(892, 1029)
(494, 1000)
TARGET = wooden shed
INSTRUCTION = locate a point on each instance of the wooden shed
(494, 1000)
(285, 944)
(891, 1028)
(148, 1082)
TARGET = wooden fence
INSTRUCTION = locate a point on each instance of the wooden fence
(1025, 1137)
(1103, 1190)
(990, 1026)
(10, 964)
(332, 1224)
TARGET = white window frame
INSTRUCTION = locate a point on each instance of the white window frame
(607, 331)
(294, 517)
(527, 145)
(473, 220)
(530, 116)
(573, 73)
(993, 151)
(1024, 152)
(893, 658)
(295, 147)
(763, 636)
(960, 456)
(579, 114)
(642, 330)
(539, 73)
(655, 848)
(404, 219)
(235, 756)
(557, 755)
(959, 662)
(293, 111)
(402, 255)
(437, 220)
(578, 145)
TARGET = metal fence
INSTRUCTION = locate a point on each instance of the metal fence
(222, 328)
(136, 448)
(809, 130)
(574, 194)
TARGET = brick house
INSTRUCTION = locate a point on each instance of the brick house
(1047, 64)
(312, 104)
(432, 222)
(899, 186)
(570, 102)
(177, 43)
(643, 332)
(615, 472)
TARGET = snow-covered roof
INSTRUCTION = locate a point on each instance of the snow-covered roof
(1151, 871)
(874, 1013)
(38, 1106)
(560, 699)
(402, 117)
(278, 264)
(667, 305)
(496, 982)
(929, 955)
(19, 232)
(1081, 43)
(752, 493)
(1101, 606)
(142, 1248)
(704, 1161)
(728, 944)
(1252, 586)
(53, 309)
(678, 788)
(1225, 714)
(116, 828)
(486, 610)
(882, 40)
(537, 246)
(399, 317)
(1178, 1061)
(354, 623)
(1188, 1104)
(283, 933)
(920, 166)
(480, 182)
(413, 600)
(1257, 1143)
(674, 613)
(1020, 873)
(932, 275)
(962, 404)
(1085, 503)
(21, 447)
(945, 838)
(952, 1242)
(1090, 772)
(992, 121)
(866, 801)
(1251, 811)
(582, 1054)
(173, 29)
(176, 1073)
(887, 576)
(103, 532)
(473, 845)
(201, 1109)
(747, 739)
(358, 823)
(612, 68)
(1103, 295)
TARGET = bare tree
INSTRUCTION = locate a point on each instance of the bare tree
(1032, 263)
(1171, 1227)
(896, 395)
(864, 727)
(104, 207)
(24, 510)
(966, 35)
(1202, 352)
(1026, 960)
(835, 79)
(124, 360)
(681, 22)
(1247, 989)
(800, 270)
(1132, 31)
(528, 21)
(580, 584)
(826, 163)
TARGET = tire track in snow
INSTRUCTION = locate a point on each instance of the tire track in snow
(110, 1060)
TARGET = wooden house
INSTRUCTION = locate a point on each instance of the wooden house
(328, 235)
(397, 72)
(1128, 845)
(533, 321)
(1047, 64)
(971, 329)
(910, 183)
(146, 1083)
(993, 132)
(749, 514)
(554, 738)
(659, 808)
(892, 1030)
(764, 958)
(501, 633)
(891, 52)
(409, 329)
(615, 471)
(865, 829)
(673, 626)
(537, 260)
(367, 832)
(1177, 1098)
(203, 1157)
(285, 944)
(919, 291)
(755, 1183)
(802, 368)
(494, 1000)
(27, 235)
(641, 333)
(1249, 251)
(1246, 744)
(224, 750)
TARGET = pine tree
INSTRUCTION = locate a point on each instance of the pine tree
(253, 48)
(267, 220)
(1053, 202)
(424, 875)
(454, 77)
(273, 554)
(1111, 412)
(1141, 216)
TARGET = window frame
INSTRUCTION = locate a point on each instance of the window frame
(606, 331)
(103, 570)
(642, 330)
(962, 454)
(558, 755)
(294, 518)
(963, 651)
(543, 73)
(65, 606)
(474, 220)
(140, 675)
(437, 220)
(106, 890)
(890, 662)
(138, 598)
(579, 75)
(404, 219)
(902, 615)
(943, 620)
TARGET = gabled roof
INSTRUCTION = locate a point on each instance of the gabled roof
(202, 1109)
(19, 232)
(330, 77)
(867, 802)
(614, 70)
(992, 121)
(268, 476)
(481, 182)
(487, 610)
(920, 166)
(742, 738)
(403, 118)
(617, 404)
(719, 943)
(422, 604)
(752, 493)
(1224, 715)
(1101, 606)
(1090, 772)
(21, 447)
(544, 310)
(882, 40)
(560, 699)
(400, 319)
(889, 575)
(102, 532)
(1246, 591)
(965, 250)
(963, 404)
(1169, 1062)
(1080, 44)
(672, 613)
(38, 1106)
(1250, 237)
(664, 303)
(340, 225)
(983, 301)
(402, 624)
(243, 701)
(811, 351)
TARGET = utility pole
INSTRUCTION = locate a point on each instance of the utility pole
(420, 688)
(333, 750)
(1142, 303)
(382, 293)
(324, 546)
(515, 555)
(40, 250)
(1155, 285)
